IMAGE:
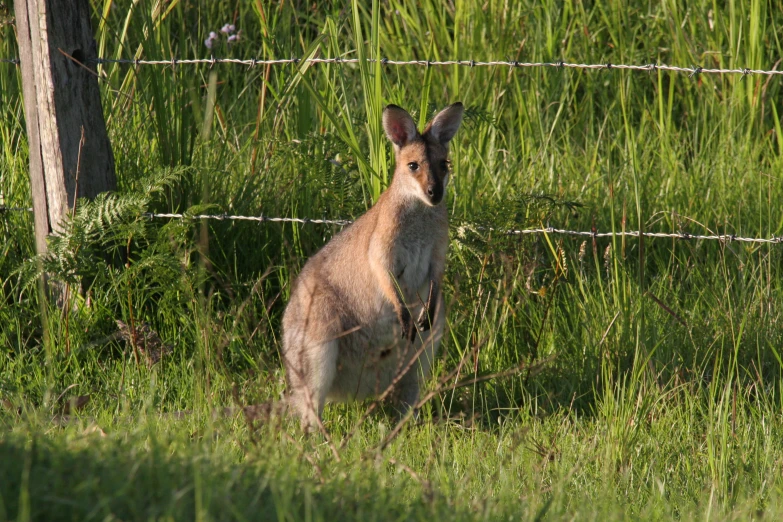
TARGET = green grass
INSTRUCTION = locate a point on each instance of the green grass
(660, 393)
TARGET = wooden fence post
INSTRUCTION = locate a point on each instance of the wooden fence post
(62, 104)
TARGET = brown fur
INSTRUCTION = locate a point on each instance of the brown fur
(348, 331)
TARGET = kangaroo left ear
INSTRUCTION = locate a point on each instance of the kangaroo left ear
(446, 123)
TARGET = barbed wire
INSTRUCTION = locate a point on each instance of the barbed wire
(212, 61)
(260, 219)
(3, 209)
(547, 230)
(692, 71)
(725, 238)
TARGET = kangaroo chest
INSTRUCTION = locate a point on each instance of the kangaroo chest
(413, 258)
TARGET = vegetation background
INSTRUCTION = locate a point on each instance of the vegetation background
(657, 388)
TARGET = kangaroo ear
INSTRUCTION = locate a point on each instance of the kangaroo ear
(399, 126)
(446, 123)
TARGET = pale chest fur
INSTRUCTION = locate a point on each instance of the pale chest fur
(415, 252)
(413, 260)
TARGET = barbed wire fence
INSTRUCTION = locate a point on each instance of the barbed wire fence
(724, 238)
(253, 62)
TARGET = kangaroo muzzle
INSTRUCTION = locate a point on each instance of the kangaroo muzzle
(434, 192)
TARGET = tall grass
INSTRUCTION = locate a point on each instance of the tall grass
(660, 391)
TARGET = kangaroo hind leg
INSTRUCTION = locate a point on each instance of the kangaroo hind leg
(311, 374)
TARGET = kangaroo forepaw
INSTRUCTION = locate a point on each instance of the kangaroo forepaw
(408, 326)
(423, 322)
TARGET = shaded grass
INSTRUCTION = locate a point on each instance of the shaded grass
(149, 467)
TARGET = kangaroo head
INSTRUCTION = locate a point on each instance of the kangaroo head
(422, 165)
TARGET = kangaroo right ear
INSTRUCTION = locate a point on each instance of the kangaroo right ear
(399, 126)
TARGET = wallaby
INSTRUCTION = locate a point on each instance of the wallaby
(348, 329)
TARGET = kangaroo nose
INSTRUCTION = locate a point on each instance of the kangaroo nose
(430, 191)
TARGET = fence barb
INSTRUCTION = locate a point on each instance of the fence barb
(725, 238)
(560, 64)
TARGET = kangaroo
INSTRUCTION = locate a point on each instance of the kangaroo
(348, 330)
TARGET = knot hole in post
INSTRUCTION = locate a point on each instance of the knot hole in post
(79, 56)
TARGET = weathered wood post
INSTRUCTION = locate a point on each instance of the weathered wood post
(62, 103)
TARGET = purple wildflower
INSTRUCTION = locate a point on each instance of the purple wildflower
(228, 29)
(233, 38)
(210, 41)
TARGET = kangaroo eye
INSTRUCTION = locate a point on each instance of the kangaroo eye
(413, 166)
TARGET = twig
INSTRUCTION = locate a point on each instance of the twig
(425, 484)
(603, 338)
(513, 371)
(666, 308)
(389, 389)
